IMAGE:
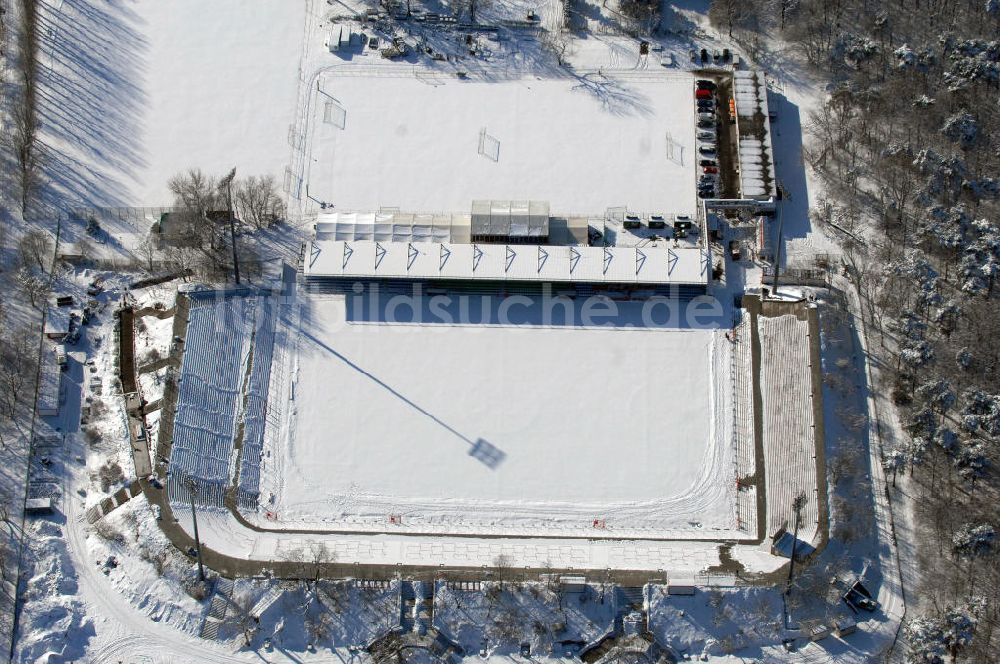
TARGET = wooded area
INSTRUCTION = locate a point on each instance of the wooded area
(908, 149)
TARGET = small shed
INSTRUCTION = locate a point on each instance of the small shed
(340, 38)
(333, 40)
(49, 383)
(681, 587)
(57, 323)
(573, 584)
(38, 506)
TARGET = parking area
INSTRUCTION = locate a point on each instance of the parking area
(716, 136)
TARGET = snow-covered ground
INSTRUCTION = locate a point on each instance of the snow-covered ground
(432, 423)
(213, 85)
(222, 532)
(211, 93)
(584, 143)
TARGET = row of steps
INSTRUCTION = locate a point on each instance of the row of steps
(631, 598)
(416, 606)
(222, 597)
(210, 629)
(789, 450)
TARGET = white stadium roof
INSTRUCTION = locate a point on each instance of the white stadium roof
(661, 264)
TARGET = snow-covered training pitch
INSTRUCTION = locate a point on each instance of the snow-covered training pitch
(517, 430)
(435, 143)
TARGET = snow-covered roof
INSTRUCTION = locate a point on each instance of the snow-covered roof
(387, 226)
(687, 265)
(49, 380)
(755, 152)
(57, 321)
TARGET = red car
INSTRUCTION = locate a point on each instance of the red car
(703, 94)
(711, 169)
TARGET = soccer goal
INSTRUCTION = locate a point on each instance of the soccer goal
(335, 114)
(675, 151)
(489, 146)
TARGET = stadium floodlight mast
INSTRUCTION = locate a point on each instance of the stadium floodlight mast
(227, 182)
(192, 486)
(798, 504)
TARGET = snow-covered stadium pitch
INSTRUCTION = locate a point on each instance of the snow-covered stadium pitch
(523, 430)
(432, 142)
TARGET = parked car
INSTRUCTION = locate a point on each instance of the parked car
(703, 94)
(706, 193)
(708, 162)
(706, 136)
(711, 169)
(706, 116)
(705, 84)
(707, 150)
(706, 124)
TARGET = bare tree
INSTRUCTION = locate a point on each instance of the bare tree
(320, 555)
(147, 250)
(257, 201)
(23, 136)
(15, 368)
(184, 258)
(35, 287)
(35, 247)
(501, 565)
(318, 623)
(728, 13)
(243, 620)
(557, 42)
(196, 194)
(24, 116)
(507, 624)
(194, 190)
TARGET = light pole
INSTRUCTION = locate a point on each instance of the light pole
(192, 487)
(797, 505)
(227, 182)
